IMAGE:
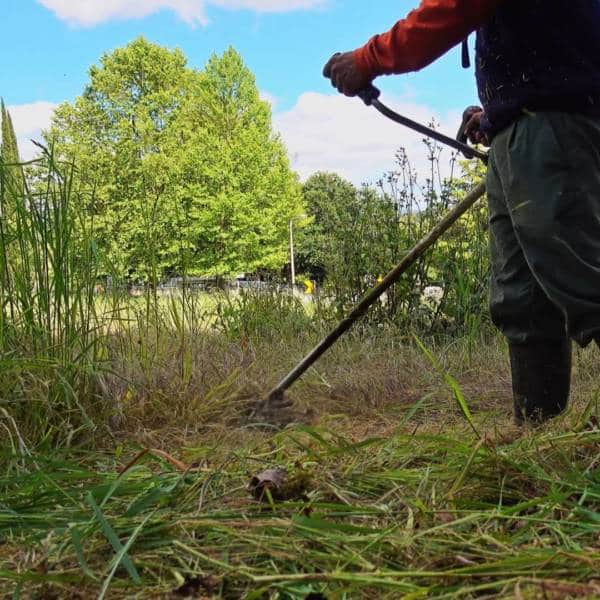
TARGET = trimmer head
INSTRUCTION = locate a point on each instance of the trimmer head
(277, 399)
(271, 407)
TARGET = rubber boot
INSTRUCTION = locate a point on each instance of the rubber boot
(541, 379)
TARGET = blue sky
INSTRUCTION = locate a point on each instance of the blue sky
(48, 46)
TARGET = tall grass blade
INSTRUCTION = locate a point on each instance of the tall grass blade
(451, 383)
(114, 541)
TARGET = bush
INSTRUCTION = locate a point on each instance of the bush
(250, 315)
(358, 235)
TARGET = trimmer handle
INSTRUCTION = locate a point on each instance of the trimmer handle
(369, 94)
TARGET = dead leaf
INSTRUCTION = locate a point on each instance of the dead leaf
(282, 485)
(446, 517)
(272, 480)
(180, 466)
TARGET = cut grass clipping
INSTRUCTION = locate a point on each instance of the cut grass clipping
(412, 516)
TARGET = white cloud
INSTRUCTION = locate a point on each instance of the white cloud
(334, 133)
(29, 120)
(88, 13)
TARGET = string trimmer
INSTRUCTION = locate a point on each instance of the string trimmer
(276, 398)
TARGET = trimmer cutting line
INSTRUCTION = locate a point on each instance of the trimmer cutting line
(276, 398)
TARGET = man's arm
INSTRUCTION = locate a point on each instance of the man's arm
(426, 33)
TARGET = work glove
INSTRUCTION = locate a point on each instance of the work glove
(470, 128)
(345, 75)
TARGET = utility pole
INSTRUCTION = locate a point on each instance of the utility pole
(292, 260)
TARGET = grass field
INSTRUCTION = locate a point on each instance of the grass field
(131, 467)
(390, 493)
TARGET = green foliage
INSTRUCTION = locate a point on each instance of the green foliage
(326, 195)
(457, 266)
(357, 235)
(242, 193)
(353, 239)
(251, 316)
(12, 173)
(460, 261)
(9, 151)
(186, 171)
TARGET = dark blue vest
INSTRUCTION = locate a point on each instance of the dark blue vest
(539, 55)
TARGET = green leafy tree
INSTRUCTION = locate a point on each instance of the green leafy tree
(12, 204)
(241, 192)
(326, 196)
(184, 170)
(354, 238)
(357, 235)
(9, 151)
(115, 134)
(12, 171)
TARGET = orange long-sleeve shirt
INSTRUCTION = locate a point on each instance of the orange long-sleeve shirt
(427, 32)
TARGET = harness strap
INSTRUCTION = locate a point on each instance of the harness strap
(466, 57)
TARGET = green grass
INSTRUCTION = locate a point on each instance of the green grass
(396, 515)
(406, 481)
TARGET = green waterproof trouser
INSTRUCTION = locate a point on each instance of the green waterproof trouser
(544, 198)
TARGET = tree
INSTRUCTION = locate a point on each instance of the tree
(241, 193)
(184, 171)
(12, 185)
(353, 238)
(12, 171)
(9, 151)
(115, 134)
(326, 196)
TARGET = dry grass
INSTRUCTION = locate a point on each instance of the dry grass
(396, 495)
(369, 379)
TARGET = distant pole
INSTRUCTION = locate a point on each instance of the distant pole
(292, 260)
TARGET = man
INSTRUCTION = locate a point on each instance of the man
(538, 73)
